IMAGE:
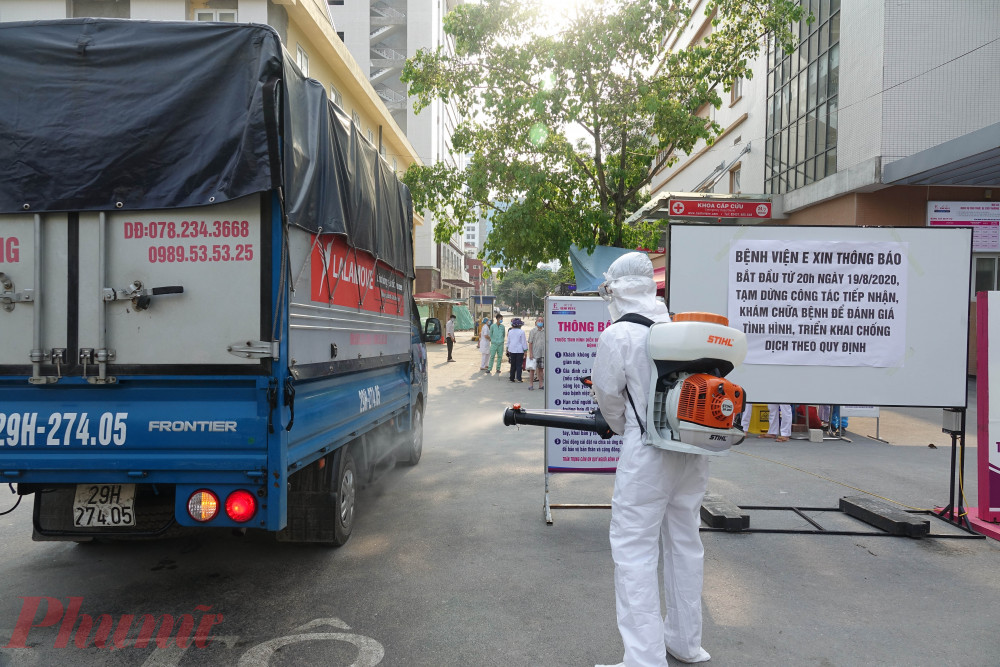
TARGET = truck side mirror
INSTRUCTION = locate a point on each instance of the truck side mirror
(432, 330)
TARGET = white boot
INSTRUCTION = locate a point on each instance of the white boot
(702, 656)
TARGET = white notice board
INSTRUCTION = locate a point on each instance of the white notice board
(834, 315)
(572, 327)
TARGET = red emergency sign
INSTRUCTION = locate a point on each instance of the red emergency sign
(720, 208)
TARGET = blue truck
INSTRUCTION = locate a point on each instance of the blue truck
(205, 287)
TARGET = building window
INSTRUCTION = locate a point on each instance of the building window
(395, 167)
(356, 118)
(217, 15)
(802, 101)
(737, 91)
(335, 95)
(302, 59)
(341, 35)
(371, 135)
(111, 9)
(734, 180)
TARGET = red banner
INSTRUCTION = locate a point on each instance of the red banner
(345, 276)
(720, 208)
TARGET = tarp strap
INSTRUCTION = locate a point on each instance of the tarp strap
(381, 298)
(270, 94)
(340, 274)
(306, 261)
(271, 101)
(285, 276)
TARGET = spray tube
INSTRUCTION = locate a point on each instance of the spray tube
(578, 420)
(591, 421)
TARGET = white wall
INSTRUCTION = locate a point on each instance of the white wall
(422, 20)
(424, 248)
(252, 11)
(752, 130)
(940, 65)
(156, 10)
(354, 20)
(18, 10)
(859, 115)
(159, 10)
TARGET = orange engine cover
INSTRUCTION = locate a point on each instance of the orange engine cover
(709, 401)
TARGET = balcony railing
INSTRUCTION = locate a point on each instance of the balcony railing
(392, 98)
(383, 53)
(383, 14)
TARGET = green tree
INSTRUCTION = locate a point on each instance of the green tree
(523, 93)
(565, 274)
(525, 291)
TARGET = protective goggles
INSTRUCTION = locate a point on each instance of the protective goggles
(604, 290)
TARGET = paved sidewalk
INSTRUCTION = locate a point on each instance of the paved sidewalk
(770, 599)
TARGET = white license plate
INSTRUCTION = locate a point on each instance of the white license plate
(104, 505)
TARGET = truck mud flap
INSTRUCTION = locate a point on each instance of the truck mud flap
(310, 503)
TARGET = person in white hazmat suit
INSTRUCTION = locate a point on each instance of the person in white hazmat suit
(658, 493)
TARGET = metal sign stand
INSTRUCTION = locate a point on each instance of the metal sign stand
(954, 513)
(548, 505)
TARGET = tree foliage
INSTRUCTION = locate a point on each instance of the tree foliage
(524, 291)
(564, 130)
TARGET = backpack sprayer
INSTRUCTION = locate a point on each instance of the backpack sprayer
(692, 407)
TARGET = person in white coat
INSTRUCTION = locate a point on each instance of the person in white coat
(657, 497)
(484, 344)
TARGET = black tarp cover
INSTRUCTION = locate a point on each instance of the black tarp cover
(105, 114)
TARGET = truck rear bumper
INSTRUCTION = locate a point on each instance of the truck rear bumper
(145, 467)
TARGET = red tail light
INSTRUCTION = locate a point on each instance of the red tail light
(241, 506)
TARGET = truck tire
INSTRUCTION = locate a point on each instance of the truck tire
(345, 499)
(414, 446)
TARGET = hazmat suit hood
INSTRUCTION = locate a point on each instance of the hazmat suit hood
(629, 287)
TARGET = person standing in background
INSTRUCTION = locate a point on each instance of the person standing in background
(449, 335)
(746, 418)
(536, 351)
(497, 333)
(517, 345)
(484, 344)
(779, 422)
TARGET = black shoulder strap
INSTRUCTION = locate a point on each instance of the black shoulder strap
(635, 318)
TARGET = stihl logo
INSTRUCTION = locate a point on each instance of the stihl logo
(719, 340)
(717, 437)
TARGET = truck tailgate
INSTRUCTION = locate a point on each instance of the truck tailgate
(136, 431)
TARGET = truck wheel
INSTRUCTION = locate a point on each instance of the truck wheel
(345, 499)
(415, 445)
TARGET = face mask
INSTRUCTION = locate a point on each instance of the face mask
(539, 325)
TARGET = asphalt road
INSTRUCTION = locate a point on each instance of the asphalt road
(452, 564)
